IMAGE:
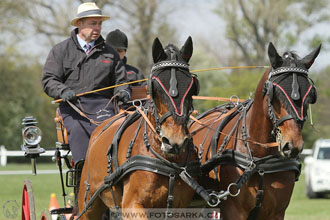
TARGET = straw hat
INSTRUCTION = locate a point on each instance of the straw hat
(88, 9)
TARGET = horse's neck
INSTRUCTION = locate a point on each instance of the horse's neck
(259, 126)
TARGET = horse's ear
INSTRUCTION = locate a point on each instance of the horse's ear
(275, 59)
(308, 60)
(158, 53)
(187, 49)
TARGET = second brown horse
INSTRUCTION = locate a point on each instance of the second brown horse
(250, 148)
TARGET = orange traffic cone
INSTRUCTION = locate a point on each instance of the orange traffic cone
(53, 204)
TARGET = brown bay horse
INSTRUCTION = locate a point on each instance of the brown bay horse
(134, 159)
(250, 149)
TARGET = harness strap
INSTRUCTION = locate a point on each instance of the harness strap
(88, 186)
(255, 211)
(283, 119)
(130, 146)
(113, 148)
(248, 172)
(244, 130)
(146, 163)
(113, 120)
(227, 137)
(90, 202)
(163, 118)
(260, 191)
(170, 197)
(215, 138)
(269, 164)
(195, 186)
(148, 121)
(219, 131)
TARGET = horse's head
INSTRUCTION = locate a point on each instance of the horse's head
(289, 91)
(171, 87)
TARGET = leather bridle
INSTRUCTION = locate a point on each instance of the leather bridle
(172, 91)
(269, 91)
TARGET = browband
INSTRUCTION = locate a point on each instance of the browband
(287, 70)
(163, 64)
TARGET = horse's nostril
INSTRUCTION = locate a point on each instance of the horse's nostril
(290, 151)
(287, 149)
(165, 140)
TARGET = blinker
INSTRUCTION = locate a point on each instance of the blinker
(295, 89)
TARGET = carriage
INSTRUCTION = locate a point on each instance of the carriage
(240, 157)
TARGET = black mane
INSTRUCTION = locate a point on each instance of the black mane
(178, 54)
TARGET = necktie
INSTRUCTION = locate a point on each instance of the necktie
(87, 48)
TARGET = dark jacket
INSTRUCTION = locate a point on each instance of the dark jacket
(68, 66)
(133, 74)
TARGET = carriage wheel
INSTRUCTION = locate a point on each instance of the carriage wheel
(45, 215)
(28, 210)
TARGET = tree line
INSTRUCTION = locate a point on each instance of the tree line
(249, 29)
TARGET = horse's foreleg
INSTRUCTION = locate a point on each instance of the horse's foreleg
(96, 211)
(134, 211)
(97, 208)
(131, 207)
(231, 210)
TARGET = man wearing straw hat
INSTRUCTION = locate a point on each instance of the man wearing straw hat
(80, 64)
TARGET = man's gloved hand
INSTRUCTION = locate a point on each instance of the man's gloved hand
(68, 95)
(124, 96)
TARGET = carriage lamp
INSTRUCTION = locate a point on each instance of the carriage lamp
(31, 139)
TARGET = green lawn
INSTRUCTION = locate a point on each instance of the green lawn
(300, 207)
(43, 185)
(303, 208)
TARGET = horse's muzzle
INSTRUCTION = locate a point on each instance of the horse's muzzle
(290, 151)
(173, 149)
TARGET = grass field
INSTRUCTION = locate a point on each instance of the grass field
(43, 185)
(300, 208)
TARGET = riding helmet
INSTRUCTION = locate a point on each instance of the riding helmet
(117, 39)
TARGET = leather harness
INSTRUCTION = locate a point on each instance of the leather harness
(246, 162)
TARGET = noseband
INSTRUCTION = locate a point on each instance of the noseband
(295, 95)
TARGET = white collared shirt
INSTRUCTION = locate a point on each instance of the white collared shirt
(83, 43)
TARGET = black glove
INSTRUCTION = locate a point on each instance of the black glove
(68, 95)
(124, 96)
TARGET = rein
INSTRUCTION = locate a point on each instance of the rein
(139, 109)
(142, 80)
(266, 145)
(82, 112)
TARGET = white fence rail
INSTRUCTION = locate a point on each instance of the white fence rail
(4, 153)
